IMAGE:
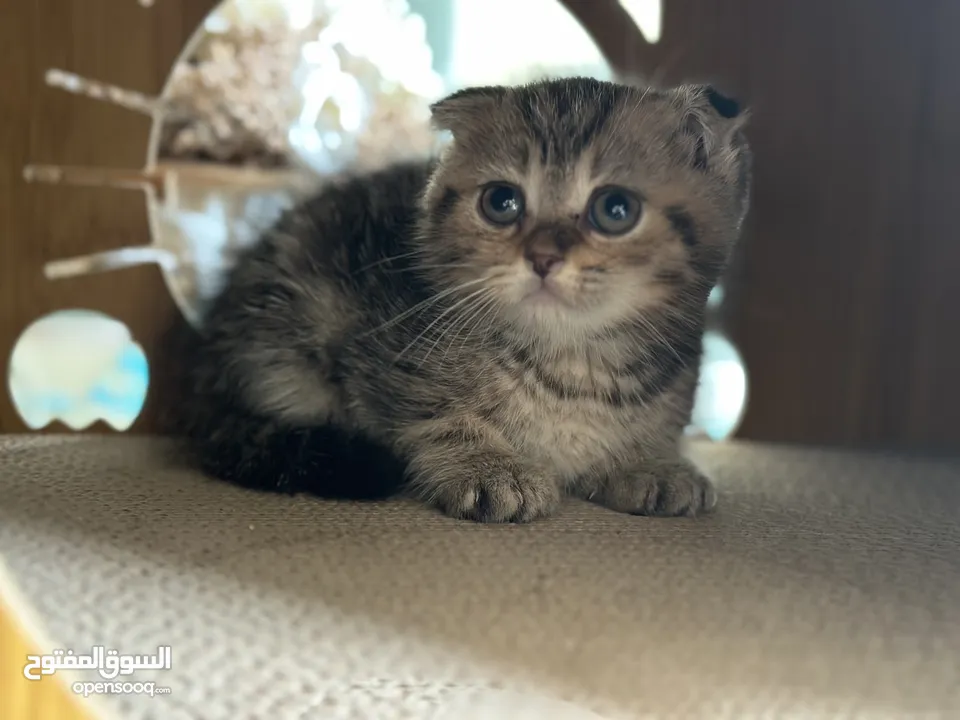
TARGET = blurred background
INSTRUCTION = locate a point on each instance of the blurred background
(834, 326)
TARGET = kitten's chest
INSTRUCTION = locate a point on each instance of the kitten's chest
(571, 440)
(566, 418)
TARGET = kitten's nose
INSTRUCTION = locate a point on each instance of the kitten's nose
(547, 247)
(544, 262)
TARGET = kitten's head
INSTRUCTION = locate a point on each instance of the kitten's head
(573, 206)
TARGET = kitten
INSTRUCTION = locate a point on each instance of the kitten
(518, 320)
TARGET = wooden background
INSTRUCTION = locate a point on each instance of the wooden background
(843, 298)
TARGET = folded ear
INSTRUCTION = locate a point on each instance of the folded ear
(467, 108)
(727, 107)
(714, 121)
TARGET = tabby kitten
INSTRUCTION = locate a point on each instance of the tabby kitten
(519, 320)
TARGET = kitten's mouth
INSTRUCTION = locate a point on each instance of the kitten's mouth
(546, 293)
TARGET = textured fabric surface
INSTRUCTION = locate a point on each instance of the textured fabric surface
(825, 585)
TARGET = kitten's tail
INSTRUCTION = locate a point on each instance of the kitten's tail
(227, 440)
(257, 453)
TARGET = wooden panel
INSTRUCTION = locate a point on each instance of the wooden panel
(112, 40)
(843, 302)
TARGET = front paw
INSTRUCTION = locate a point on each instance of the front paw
(495, 491)
(664, 489)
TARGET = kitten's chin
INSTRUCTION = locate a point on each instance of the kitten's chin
(561, 320)
(557, 313)
(548, 314)
(545, 296)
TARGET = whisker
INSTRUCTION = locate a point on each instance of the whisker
(489, 307)
(436, 320)
(454, 328)
(416, 267)
(440, 334)
(422, 305)
(657, 335)
(468, 322)
(383, 261)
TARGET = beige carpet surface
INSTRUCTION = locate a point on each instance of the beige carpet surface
(826, 585)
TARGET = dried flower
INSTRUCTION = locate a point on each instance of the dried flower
(238, 96)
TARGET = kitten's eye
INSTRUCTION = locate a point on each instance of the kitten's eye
(614, 211)
(502, 204)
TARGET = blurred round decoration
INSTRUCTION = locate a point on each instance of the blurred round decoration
(78, 367)
(721, 397)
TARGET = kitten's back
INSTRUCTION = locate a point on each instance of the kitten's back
(258, 385)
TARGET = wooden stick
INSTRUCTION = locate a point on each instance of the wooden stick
(166, 177)
(122, 178)
(109, 260)
(199, 174)
(78, 85)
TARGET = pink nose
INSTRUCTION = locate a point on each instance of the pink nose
(543, 263)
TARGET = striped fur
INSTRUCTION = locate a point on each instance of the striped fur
(385, 336)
